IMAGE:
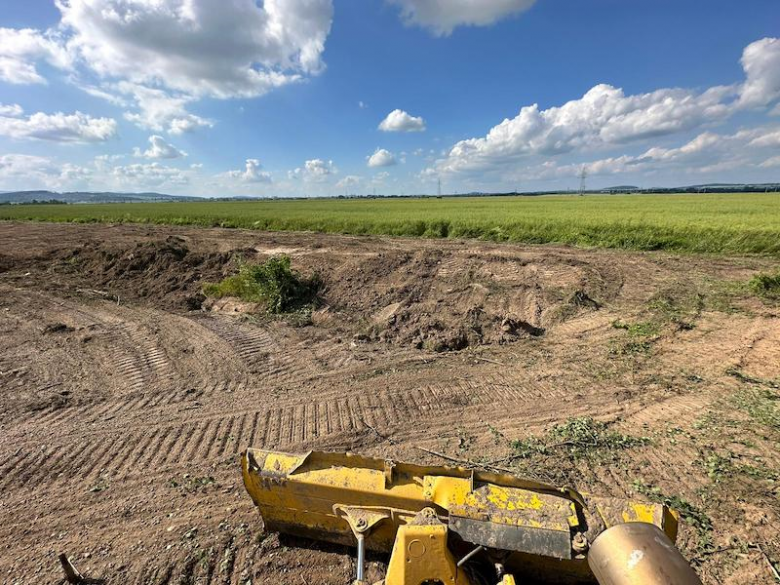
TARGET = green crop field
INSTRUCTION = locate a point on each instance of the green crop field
(711, 223)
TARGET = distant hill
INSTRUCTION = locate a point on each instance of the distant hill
(85, 197)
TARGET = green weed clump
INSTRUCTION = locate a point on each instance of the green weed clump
(581, 437)
(273, 283)
(762, 404)
(766, 285)
(689, 512)
(584, 435)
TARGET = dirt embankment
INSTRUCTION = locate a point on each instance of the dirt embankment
(125, 401)
(425, 298)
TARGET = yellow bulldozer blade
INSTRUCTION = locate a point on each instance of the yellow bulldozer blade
(437, 519)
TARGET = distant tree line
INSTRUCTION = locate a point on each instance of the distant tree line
(35, 202)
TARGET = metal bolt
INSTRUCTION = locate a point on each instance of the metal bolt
(580, 543)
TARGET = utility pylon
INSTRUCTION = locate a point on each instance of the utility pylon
(583, 176)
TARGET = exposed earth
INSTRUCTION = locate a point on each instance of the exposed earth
(126, 396)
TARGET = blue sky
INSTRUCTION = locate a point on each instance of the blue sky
(325, 97)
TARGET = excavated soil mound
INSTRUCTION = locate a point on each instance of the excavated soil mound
(435, 300)
(165, 270)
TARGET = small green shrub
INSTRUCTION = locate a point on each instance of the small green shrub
(641, 329)
(273, 283)
(766, 285)
(526, 448)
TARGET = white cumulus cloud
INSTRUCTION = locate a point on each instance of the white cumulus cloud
(23, 165)
(400, 121)
(59, 127)
(253, 173)
(162, 55)
(761, 62)
(381, 158)
(771, 162)
(603, 116)
(159, 149)
(21, 171)
(606, 118)
(200, 47)
(349, 181)
(158, 110)
(11, 110)
(145, 176)
(21, 49)
(442, 17)
(314, 171)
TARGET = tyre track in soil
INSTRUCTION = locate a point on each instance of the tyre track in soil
(155, 447)
(298, 425)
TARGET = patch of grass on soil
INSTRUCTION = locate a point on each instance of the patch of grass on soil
(762, 404)
(766, 286)
(274, 284)
(689, 512)
(580, 437)
(668, 312)
(720, 467)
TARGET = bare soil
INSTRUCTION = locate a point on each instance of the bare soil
(126, 397)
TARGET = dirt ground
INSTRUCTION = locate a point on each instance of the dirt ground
(126, 397)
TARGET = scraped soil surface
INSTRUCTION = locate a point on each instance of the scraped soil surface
(126, 396)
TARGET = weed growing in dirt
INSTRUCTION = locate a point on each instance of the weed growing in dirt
(585, 436)
(498, 436)
(668, 311)
(273, 283)
(720, 467)
(571, 304)
(641, 329)
(766, 286)
(100, 486)
(743, 377)
(689, 512)
(192, 484)
(680, 307)
(465, 440)
(630, 348)
(527, 448)
(581, 437)
(762, 404)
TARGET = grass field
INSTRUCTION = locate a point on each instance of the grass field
(710, 223)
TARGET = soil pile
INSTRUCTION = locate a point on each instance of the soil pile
(437, 301)
(165, 270)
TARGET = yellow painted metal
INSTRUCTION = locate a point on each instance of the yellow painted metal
(543, 528)
(420, 555)
(296, 494)
(501, 505)
(615, 511)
